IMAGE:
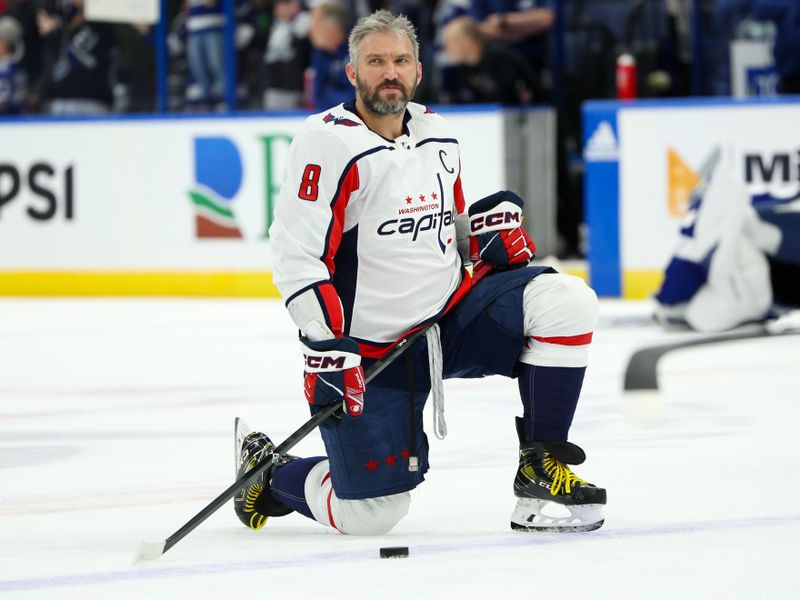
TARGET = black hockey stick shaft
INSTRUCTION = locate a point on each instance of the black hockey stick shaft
(288, 443)
(642, 370)
(151, 551)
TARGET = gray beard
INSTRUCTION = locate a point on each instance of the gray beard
(376, 105)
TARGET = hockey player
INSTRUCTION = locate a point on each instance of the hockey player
(738, 257)
(365, 246)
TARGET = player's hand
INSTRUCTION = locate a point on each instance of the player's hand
(333, 373)
(496, 233)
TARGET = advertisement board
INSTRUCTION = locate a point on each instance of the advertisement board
(661, 146)
(181, 205)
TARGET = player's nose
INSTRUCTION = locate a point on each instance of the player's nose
(391, 72)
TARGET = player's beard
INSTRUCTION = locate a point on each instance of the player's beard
(385, 107)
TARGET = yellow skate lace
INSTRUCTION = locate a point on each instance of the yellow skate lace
(257, 520)
(561, 475)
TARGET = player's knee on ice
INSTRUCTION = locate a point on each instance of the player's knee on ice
(367, 516)
(371, 516)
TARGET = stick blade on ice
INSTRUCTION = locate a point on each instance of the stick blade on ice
(149, 551)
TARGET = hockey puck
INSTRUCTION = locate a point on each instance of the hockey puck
(394, 552)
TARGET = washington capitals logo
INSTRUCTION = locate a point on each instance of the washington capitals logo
(329, 118)
(434, 217)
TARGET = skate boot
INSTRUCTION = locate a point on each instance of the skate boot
(551, 497)
(254, 503)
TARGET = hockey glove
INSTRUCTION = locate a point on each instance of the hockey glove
(496, 233)
(333, 372)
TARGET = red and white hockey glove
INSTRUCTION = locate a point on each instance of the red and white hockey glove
(496, 233)
(333, 372)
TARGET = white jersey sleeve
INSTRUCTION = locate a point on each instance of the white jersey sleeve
(308, 226)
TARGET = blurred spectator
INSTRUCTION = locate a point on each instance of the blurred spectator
(253, 18)
(205, 46)
(786, 16)
(135, 86)
(328, 35)
(725, 19)
(12, 77)
(79, 60)
(287, 56)
(519, 23)
(24, 11)
(448, 80)
(682, 18)
(494, 72)
(355, 9)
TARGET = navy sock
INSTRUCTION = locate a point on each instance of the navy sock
(549, 397)
(288, 484)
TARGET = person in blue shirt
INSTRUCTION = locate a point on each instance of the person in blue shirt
(786, 16)
(518, 23)
(328, 35)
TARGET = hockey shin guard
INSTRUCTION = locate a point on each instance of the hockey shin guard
(549, 397)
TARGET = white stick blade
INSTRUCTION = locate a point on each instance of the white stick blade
(149, 551)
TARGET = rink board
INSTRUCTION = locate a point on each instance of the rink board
(165, 205)
(641, 162)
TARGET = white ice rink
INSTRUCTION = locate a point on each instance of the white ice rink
(116, 424)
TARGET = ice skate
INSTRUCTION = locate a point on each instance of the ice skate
(254, 503)
(551, 498)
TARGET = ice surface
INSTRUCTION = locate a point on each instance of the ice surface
(116, 422)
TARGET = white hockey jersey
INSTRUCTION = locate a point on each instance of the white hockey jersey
(368, 224)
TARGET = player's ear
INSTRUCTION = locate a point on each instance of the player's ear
(351, 73)
(419, 72)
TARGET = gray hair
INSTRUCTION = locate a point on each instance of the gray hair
(378, 22)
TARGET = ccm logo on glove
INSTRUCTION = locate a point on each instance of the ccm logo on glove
(495, 221)
(323, 363)
(496, 233)
(334, 373)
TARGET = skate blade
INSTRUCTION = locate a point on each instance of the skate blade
(557, 528)
(544, 516)
(240, 431)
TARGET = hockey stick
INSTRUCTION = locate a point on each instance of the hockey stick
(641, 373)
(152, 550)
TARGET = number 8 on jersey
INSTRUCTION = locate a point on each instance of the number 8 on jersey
(309, 183)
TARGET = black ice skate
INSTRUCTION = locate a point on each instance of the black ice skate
(551, 497)
(254, 503)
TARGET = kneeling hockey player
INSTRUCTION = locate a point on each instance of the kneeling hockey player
(366, 248)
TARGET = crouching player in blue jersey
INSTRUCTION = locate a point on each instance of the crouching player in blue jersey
(369, 242)
(737, 258)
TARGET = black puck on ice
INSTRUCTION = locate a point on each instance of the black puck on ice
(394, 552)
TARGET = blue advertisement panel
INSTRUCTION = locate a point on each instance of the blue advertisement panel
(601, 157)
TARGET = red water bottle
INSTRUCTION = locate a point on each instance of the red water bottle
(626, 77)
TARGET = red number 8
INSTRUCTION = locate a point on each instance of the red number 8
(309, 184)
